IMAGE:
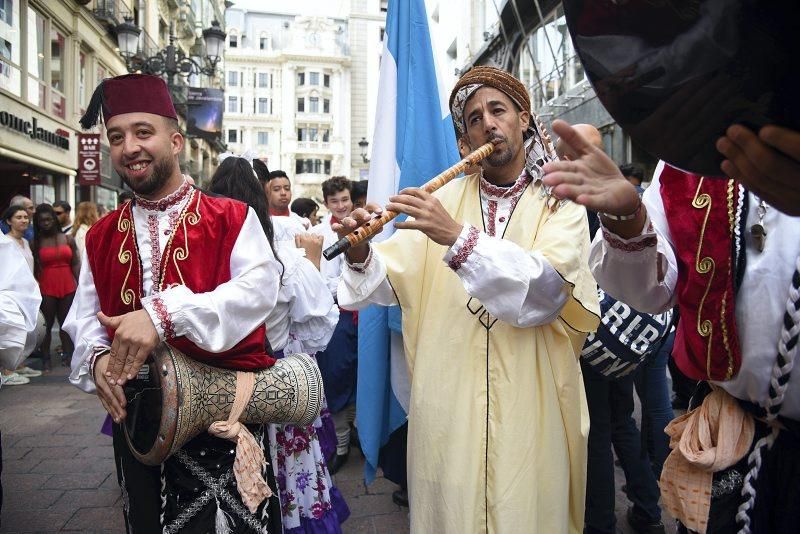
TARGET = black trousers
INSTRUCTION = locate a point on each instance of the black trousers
(190, 501)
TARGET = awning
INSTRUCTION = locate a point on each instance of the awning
(7, 152)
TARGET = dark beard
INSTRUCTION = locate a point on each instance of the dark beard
(502, 157)
(162, 170)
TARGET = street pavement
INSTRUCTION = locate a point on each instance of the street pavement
(58, 469)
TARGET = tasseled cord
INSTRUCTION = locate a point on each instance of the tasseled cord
(224, 522)
(92, 115)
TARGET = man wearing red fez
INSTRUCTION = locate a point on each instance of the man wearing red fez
(172, 265)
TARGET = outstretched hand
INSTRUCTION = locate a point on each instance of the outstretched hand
(135, 337)
(768, 164)
(591, 178)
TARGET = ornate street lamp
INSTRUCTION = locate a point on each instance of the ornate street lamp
(171, 60)
(364, 144)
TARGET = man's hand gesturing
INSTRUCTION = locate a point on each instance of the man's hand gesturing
(135, 337)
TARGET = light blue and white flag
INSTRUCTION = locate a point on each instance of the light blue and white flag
(414, 141)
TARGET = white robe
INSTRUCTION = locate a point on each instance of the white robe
(19, 305)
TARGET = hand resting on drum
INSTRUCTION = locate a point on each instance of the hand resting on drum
(135, 337)
(111, 397)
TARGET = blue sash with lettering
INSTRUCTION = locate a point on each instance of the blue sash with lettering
(624, 338)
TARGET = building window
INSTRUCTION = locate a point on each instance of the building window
(316, 166)
(233, 136)
(263, 106)
(326, 80)
(301, 78)
(263, 138)
(326, 106)
(233, 41)
(233, 104)
(325, 136)
(233, 78)
(82, 60)
(301, 104)
(300, 134)
(10, 43)
(313, 104)
(313, 78)
(263, 43)
(57, 99)
(263, 79)
(36, 73)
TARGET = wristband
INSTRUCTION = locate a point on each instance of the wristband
(630, 217)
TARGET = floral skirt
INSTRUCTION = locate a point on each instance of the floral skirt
(310, 503)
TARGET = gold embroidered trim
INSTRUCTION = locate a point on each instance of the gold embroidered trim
(181, 253)
(723, 324)
(704, 266)
(126, 294)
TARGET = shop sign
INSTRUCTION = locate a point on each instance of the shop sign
(89, 159)
(32, 129)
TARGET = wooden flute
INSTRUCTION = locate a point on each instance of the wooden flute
(374, 226)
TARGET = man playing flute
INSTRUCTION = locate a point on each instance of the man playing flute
(497, 299)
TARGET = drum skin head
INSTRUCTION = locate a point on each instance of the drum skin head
(676, 74)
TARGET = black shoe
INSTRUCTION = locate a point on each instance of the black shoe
(338, 462)
(642, 524)
(400, 498)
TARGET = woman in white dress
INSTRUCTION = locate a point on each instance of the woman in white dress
(303, 320)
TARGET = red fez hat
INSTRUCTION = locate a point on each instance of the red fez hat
(131, 93)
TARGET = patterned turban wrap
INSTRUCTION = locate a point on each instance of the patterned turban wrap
(538, 147)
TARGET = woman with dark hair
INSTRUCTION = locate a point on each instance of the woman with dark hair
(56, 267)
(303, 320)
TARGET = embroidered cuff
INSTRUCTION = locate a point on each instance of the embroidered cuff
(641, 242)
(160, 316)
(96, 353)
(360, 267)
(461, 250)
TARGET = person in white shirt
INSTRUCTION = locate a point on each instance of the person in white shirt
(19, 308)
(339, 362)
(278, 189)
(175, 266)
(731, 262)
(302, 321)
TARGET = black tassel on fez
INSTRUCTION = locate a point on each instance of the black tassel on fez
(92, 115)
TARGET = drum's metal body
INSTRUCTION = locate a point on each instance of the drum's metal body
(175, 398)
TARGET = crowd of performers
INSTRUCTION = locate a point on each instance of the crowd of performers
(497, 278)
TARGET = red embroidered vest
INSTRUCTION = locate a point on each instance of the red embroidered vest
(197, 256)
(700, 213)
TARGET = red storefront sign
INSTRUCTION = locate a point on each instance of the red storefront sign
(89, 159)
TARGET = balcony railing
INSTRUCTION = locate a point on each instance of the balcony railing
(111, 12)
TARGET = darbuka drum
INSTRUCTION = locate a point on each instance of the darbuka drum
(175, 398)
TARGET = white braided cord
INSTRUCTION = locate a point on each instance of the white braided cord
(163, 501)
(779, 380)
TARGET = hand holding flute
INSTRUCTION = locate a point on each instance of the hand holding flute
(417, 202)
(429, 217)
